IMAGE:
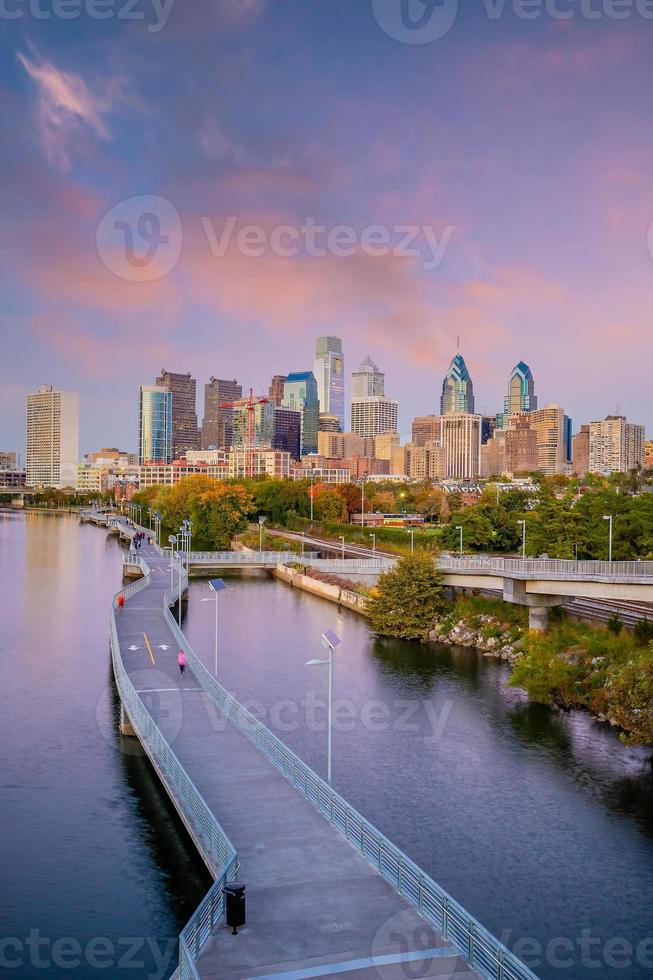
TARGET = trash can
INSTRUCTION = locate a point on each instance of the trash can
(235, 902)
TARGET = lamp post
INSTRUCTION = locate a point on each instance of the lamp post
(329, 641)
(411, 531)
(261, 522)
(181, 566)
(459, 527)
(523, 538)
(303, 533)
(311, 496)
(157, 526)
(216, 586)
(363, 499)
(342, 545)
(373, 537)
(172, 538)
(609, 519)
(189, 534)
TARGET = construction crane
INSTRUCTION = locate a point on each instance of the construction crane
(249, 404)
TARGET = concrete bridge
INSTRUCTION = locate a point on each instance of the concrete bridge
(540, 584)
(328, 893)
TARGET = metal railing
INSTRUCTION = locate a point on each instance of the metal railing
(600, 571)
(482, 950)
(361, 565)
(200, 820)
(271, 558)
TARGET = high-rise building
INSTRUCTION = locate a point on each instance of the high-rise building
(521, 395)
(488, 426)
(275, 391)
(367, 381)
(329, 371)
(155, 425)
(568, 430)
(384, 444)
(52, 438)
(8, 461)
(374, 415)
(329, 423)
(217, 429)
(457, 389)
(581, 451)
(343, 445)
(615, 445)
(520, 442)
(549, 424)
(287, 431)
(426, 428)
(262, 415)
(300, 395)
(461, 438)
(648, 454)
(427, 462)
(185, 434)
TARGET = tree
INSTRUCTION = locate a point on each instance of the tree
(219, 514)
(408, 599)
(329, 505)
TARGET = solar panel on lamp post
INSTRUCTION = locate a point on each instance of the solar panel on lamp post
(330, 641)
(216, 586)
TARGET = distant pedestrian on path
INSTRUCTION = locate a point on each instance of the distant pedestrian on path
(181, 660)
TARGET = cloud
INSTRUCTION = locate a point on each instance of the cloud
(66, 108)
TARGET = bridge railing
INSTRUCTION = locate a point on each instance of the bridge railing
(359, 565)
(271, 558)
(549, 568)
(480, 948)
(211, 838)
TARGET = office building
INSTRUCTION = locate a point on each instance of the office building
(568, 437)
(155, 425)
(287, 431)
(9, 461)
(260, 462)
(461, 438)
(427, 462)
(521, 395)
(374, 415)
(329, 371)
(615, 445)
(185, 433)
(52, 438)
(275, 391)
(300, 395)
(581, 451)
(488, 425)
(329, 423)
(648, 454)
(14, 479)
(426, 428)
(457, 389)
(89, 478)
(367, 381)
(217, 431)
(112, 457)
(261, 419)
(343, 445)
(384, 444)
(549, 424)
(520, 445)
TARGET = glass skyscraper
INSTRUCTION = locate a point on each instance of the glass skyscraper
(300, 394)
(521, 391)
(457, 389)
(329, 371)
(155, 433)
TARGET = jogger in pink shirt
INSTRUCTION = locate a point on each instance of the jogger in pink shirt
(181, 660)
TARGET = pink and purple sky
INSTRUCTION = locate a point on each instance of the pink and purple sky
(531, 140)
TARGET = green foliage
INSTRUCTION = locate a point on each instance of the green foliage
(630, 697)
(643, 632)
(408, 599)
(218, 515)
(614, 624)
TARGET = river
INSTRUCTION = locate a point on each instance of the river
(539, 821)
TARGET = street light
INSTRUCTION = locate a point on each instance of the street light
(609, 518)
(216, 586)
(363, 499)
(303, 533)
(330, 641)
(523, 538)
(459, 527)
(261, 522)
(172, 538)
(342, 544)
(373, 537)
(311, 496)
(411, 531)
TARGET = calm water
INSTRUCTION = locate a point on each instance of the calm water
(539, 822)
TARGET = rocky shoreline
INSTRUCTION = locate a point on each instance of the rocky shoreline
(489, 636)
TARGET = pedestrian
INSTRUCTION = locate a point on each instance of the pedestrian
(181, 660)
(121, 601)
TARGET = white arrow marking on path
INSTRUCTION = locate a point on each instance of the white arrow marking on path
(163, 646)
(132, 647)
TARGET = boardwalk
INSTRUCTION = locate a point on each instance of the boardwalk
(315, 907)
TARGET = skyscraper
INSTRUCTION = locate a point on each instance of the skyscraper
(549, 424)
(185, 434)
(287, 431)
(52, 438)
(329, 371)
(155, 426)
(461, 439)
(521, 395)
(457, 389)
(615, 445)
(217, 422)
(275, 391)
(300, 394)
(262, 429)
(367, 381)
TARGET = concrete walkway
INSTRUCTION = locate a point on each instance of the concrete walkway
(315, 908)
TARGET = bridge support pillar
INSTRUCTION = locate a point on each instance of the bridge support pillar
(125, 724)
(538, 618)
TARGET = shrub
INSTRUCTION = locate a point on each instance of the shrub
(408, 599)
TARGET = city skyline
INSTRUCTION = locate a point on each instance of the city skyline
(547, 256)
